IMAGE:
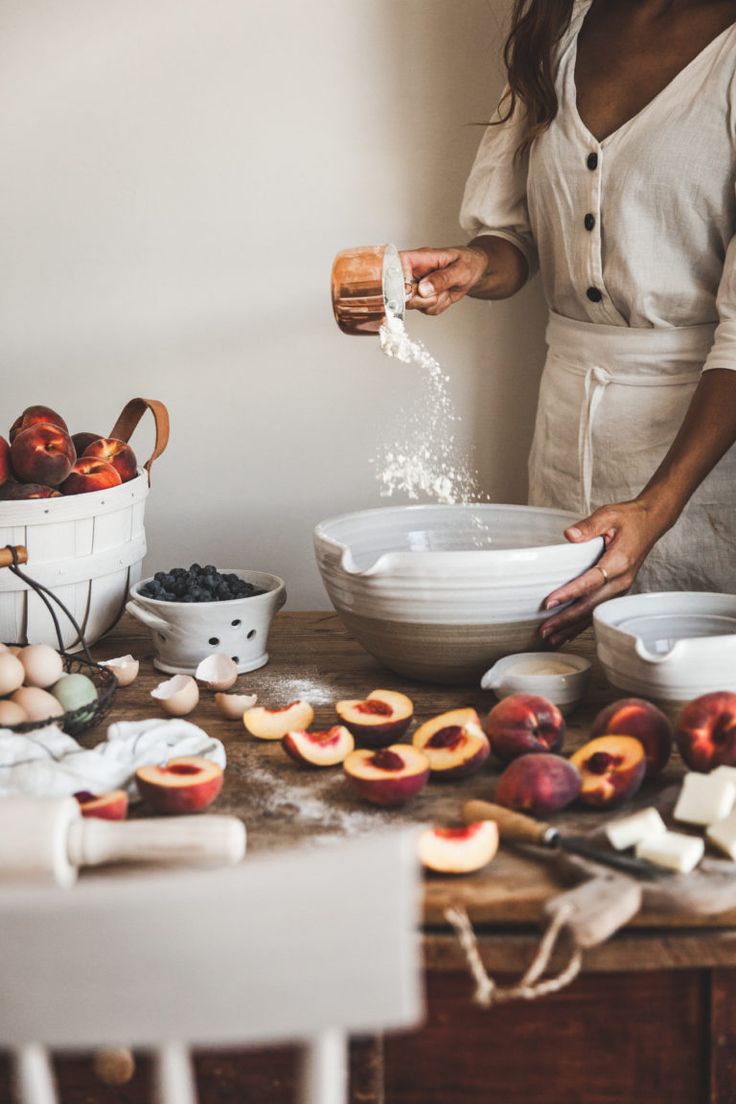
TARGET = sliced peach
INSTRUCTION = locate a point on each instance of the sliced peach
(639, 718)
(184, 785)
(379, 719)
(454, 743)
(273, 724)
(522, 723)
(459, 850)
(107, 806)
(612, 768)
(538, 784)
(387, 776)
(319, 749)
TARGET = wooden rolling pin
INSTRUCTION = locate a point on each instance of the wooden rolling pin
(48, 840)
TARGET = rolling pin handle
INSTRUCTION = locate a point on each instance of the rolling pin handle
(175, 841)
(513, 827)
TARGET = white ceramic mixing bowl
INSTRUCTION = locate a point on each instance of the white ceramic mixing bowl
(672, 646)
(440, 592)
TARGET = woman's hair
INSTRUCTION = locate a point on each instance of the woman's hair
(536, 27)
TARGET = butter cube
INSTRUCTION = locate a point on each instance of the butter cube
(631, 830)
(729, 773)
(705, 799)
(723, 835)
(672, 850)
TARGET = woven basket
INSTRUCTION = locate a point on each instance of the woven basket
(88, 549)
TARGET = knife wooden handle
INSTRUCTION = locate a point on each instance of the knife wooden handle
(512, 827)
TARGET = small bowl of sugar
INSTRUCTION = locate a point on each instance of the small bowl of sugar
(561, 677)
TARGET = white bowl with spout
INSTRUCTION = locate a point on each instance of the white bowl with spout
(440, 592)
(672, 646)
(561, 677)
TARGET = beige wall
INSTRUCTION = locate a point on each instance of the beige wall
(177, 176)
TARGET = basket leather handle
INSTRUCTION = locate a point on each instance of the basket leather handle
(129, 418)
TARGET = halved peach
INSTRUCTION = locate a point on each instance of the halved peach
(643, 720)
(107, 806)
(319, 749)
(379, 719)
(611, 768)
(539, 784)
(523, 723)
(273, 724)
(387, 776)
(184, 785)
(454, 743)
(459, 850)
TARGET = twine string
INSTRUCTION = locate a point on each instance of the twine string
(532, 985)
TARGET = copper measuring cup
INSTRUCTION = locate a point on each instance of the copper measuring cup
(367, 282)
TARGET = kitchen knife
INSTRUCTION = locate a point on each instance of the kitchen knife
(514, 827)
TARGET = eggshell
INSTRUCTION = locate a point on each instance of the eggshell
(12, 674)
(233, 706)
(125, 668)
(38, 704)
(177, 696)
(11, 714)
(217, 672)
(42, 664)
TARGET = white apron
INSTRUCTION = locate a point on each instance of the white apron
(611, 401)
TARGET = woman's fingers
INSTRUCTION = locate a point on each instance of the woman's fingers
(420, 262)
(443, 276)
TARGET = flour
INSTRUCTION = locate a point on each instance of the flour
(426, 459)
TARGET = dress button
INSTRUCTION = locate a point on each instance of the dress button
(589, 221)
(594, 294)
(592, 161)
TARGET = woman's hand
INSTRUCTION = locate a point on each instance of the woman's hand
(629, 530)
(443, 275)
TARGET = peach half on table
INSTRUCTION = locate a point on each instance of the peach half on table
(523, 723)
(387, 776)
(612, 768)
(706, 731)
(42, 453)
(319, 749)
(90, 474)
(458, 850)
(185, 785)
(273, 724)
(107, 806)
(454, 743)
(378, 720)
(539, 784)
(117, 453)
(642, 720)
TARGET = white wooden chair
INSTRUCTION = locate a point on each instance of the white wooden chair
(306, 946)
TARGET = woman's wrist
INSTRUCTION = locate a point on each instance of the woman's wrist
(506, 269)
(662, 505)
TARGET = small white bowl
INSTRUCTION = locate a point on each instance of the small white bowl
(185, 633)
(523, 674)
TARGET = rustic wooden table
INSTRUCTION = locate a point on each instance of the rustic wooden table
(651, 1018)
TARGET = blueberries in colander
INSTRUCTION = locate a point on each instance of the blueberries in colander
(198, 584)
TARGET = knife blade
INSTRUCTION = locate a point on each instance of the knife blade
(514, 827)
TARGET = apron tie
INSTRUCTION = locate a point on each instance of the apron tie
(597, 380)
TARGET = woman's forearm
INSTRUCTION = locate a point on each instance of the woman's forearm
(506, 269)
(707, 432)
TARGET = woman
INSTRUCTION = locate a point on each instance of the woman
(611, 166)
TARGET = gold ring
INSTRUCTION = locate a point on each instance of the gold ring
(603, 572)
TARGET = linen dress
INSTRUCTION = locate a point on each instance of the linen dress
(634, 240)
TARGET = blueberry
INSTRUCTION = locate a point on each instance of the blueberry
(210, 569)
(195, 569)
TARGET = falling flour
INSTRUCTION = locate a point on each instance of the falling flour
(426, 460)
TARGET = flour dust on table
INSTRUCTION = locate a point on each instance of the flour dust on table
(425, 459)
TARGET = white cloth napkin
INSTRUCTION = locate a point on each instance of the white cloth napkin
(48, 763)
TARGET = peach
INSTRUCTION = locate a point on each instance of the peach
(639, 718)
(706, 731)
(454, 743)
(387, 776)
(612, 768)
(6, 470)
(319, 749)
(523, 723)
(107, 806)
(13, 492)
(539, 784)
(458, 850)
(185, 785)
(42, 453)
(117, 453)
(379, 719)
(273, 724)
(34, 415)
(83, 440)
(88, 475)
